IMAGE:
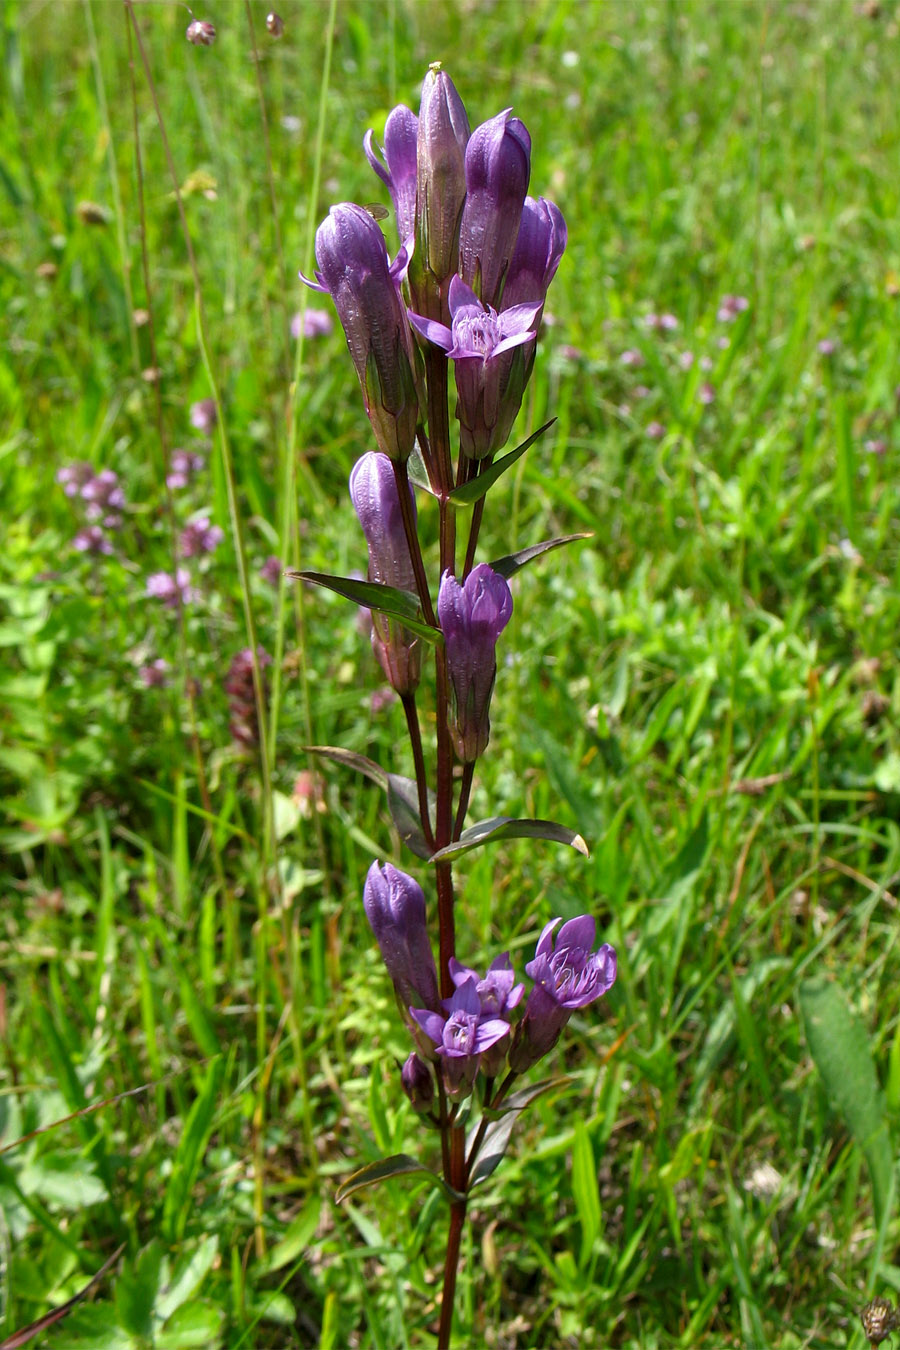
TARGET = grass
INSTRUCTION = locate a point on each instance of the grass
(707, 690)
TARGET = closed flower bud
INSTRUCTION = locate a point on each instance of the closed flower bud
(418, 1083)
(395, 907)
(472, 617)
(443, 133)
(399, 172)
(275, 25)
(201, 33)
(373, 491)
(355, 271)
(498, 167)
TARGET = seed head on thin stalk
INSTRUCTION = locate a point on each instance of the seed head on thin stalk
(201, 33)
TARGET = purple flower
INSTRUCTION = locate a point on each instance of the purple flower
(655, 430)
(418, 1083)
(153, 676)
(632, 357)
(730, 306)
(355, 271)
(395, 907)
(105, 499)
(661, 323)
(477, 337)
(399, 171)
(171, 590)
(312, 323)
(876, 446)
(442, 136)
(91, 539)
(462, 1035)
(243, 721)
(498, 995)
(498, 168)
(567, 975)
(72, 477)
(685, 360)
(373, 491)
(182, 465)
(472, 617)
(706, 393)
(203, 415)
(827, 347)
(199, 537)
(270, 570)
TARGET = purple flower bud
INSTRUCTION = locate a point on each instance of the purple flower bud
(203, 415)
(153, 676)
(472, 617)
(401, 131)
(443, 133)
(540, 244)
(498, 167)
(201, 33)
(567, 975)
(275, 25)
(92, 540)
(373, 491)
(395, 907)
(355, 271)
(461, 1036)
(477, 338)
(418, 1083)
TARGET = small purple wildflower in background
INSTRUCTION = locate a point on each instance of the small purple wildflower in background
(472, 617)
(640, 391)
(270, 570)
(154, 675)
(706, 393)
(91, 539)
(567, 975)
(655, 430)
(395, 907)
(827, 347)
(199, 537)
(105, 499)
(182, 466)
(274, 25)
(201, 33)
(730, 306)
(661, 323)
(171, 590)
(875, 447)
(706, 363)
(685, 360)
(72, 477)
(632, 357)
(242, 720)
(462, 1035)
(312, 324)
(381, 698)
(203, 415)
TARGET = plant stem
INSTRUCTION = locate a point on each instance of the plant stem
(401, 477)
(451, 1265)
(415, 739)
(465, 788)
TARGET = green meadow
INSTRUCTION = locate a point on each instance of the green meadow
(198, 1040)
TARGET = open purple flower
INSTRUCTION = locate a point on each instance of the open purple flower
(498, 167)
(354, 269)
(477, 337)
(567, 975)
(395, 907)
(498, 995)
(472, 617)
(462, 1035)
(373, 491)
(398, 173)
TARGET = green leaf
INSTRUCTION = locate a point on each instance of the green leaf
(512, 562)
(517, 1101)
(504, 827)
(467, 493)
(841, 1053)
(493, 1148)
(402, 794)
(397, 604)
(196, 1326)
(398, 1165)
(136, 1290)
(189, 1153)
(584, 1190)
(297, 1237)
(188, 1276)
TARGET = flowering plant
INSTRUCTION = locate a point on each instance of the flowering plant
(466, 288)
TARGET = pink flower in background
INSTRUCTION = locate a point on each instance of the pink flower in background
(171, 590)
(203, 415)
(314, 323)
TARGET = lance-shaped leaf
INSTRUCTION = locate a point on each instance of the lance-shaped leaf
(402, 794)
(493, 1147)
(396, 604)
(504, 827)
(467, 493)
(510, 564)
(517, 1101)
(398, 1165)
